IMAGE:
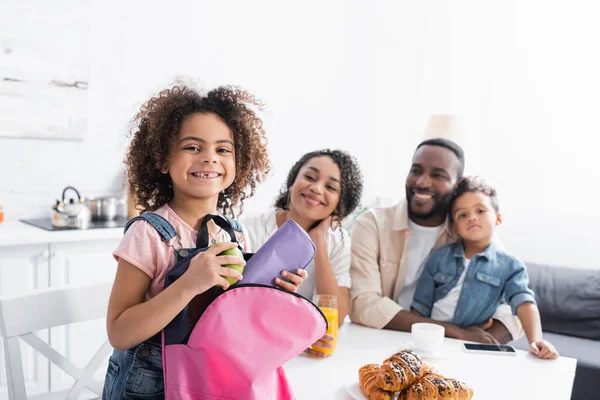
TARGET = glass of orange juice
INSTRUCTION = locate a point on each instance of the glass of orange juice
(329, 306)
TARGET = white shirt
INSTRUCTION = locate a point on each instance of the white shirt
(261, 227)
(419, 246)
(443, 309)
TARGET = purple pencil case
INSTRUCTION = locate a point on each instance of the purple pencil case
(289, 248)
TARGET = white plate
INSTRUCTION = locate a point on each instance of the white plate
(353, 390)
(444, 352)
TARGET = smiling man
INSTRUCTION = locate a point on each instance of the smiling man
(390, 245)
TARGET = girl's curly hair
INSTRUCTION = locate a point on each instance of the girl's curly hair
(157, 126)
(351, 182)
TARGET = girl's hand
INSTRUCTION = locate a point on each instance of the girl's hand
(319, 232)
(296, 280)
(543, 349)
(206, 269)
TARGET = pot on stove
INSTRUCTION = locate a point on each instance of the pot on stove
(105, 208)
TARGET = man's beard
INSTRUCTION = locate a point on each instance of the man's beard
(440, 207)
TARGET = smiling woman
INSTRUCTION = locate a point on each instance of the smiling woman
(322, 188)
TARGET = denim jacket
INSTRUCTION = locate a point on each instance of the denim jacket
(492, 277)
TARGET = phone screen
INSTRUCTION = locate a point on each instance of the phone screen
(489, 347)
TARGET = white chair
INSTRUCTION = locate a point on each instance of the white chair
(20, 316)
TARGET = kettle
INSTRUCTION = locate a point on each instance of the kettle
(71, 213)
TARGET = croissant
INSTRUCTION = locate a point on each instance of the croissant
(367, 378)
(400, 370)
(437, 387)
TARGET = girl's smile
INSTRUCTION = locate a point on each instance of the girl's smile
(202, 163)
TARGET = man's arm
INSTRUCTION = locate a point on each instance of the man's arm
(403, 322)
(368, 305)
(499, 332)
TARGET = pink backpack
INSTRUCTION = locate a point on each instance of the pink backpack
(238, 346)
(243, 337)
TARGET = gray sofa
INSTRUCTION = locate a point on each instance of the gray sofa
(569, 303)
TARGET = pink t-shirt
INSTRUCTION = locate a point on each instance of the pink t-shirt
(143, 247)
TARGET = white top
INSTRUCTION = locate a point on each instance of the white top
(419, 246)
(443, 309)
(259, 228)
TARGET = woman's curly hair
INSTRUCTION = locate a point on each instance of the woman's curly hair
(351, 181)
(157, 126)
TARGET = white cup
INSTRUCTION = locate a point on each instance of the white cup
(428, 339)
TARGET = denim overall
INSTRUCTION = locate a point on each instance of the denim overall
(137, 373)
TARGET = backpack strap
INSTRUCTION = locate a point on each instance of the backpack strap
(162, 226)
(223, 222)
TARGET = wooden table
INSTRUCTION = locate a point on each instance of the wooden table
(492, 377)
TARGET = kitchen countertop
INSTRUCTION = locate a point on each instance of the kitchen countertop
(16, 233)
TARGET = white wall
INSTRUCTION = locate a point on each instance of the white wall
(362, 76)
(34, 172)
(524, 76)
(311, 65)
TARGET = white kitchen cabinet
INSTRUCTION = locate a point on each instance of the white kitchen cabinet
(32, 258)
(22, 269)
(79, 263)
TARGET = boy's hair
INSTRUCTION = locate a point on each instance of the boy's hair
(450, 145)
(157, 125)
(474, 184)
(351, 181)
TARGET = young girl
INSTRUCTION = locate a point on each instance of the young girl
(192, 155)
(322, 188)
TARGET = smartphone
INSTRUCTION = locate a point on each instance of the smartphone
(501, 349)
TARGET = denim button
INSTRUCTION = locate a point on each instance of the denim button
(146, 351)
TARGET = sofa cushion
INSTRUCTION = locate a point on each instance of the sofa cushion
(568, 299)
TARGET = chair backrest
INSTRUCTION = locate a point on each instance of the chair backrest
(21, 316)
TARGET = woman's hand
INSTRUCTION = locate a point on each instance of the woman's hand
(206, 269)
(319, 232)
(295, 280)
